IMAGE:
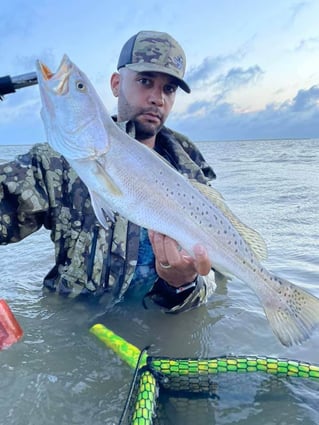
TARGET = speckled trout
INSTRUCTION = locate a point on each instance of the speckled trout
(123, 176)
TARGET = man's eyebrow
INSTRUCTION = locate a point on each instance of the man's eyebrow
(153, 74)
(146, 74)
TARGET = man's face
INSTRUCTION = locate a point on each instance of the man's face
(146, 98)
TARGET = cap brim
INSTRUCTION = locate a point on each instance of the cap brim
(150, 67)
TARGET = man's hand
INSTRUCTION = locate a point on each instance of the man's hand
(173, 264)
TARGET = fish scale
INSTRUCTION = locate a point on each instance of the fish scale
(183, 205)
(124, 176)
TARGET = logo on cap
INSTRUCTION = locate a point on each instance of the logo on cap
(178, 62)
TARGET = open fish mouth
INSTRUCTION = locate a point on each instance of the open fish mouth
(46, 72)
(59, 79)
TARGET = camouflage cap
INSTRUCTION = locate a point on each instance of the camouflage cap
(154, 51)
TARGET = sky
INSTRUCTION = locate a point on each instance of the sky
(253, 66)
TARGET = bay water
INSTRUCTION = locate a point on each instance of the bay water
(60, 374)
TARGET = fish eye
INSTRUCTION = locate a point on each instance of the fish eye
(80, 86)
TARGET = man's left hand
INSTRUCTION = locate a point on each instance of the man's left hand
(174, 264)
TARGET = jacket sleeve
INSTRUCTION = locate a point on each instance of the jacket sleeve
(194, 154)
(166, 297)
(23, 197)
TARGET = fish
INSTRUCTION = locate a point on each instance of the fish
(126, 177)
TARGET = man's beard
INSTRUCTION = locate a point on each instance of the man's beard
(144, 131)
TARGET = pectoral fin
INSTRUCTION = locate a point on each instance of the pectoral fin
(107, 181)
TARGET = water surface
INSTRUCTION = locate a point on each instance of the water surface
(60, 374)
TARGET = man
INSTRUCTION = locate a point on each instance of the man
(40, 188)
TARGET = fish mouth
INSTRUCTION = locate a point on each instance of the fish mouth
(58, 81)
(45, 71)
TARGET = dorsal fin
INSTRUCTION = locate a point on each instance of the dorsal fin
(253, 238)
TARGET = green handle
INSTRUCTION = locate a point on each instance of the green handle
(126, 351)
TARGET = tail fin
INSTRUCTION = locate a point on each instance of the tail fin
(295, 315)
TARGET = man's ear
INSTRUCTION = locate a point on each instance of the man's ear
(115, 83)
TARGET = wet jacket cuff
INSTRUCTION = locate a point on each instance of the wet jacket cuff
(168, 296)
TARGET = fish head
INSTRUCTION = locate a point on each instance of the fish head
(72, 112)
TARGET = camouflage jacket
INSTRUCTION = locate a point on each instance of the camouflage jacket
(40, 188)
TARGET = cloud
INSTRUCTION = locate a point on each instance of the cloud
(297, 118)
(210, 65)
(306, 100)
(20, 120)
(310, 44)
(237, 77)
(296, 9)
(20, 106)
(204, 71)
(216, 77)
